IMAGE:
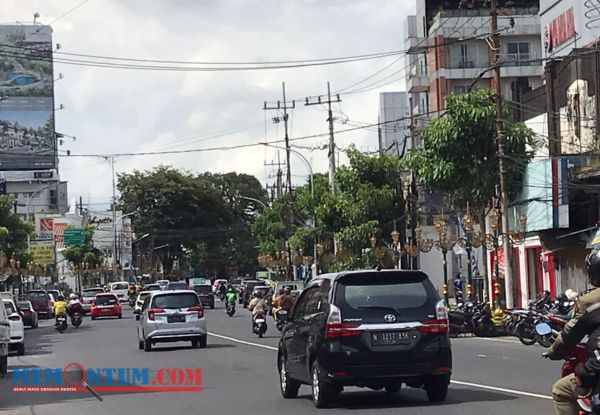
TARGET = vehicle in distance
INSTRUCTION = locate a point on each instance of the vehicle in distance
(152, 287)
(375, 329)
(17, 330)
(106, 305)
(139, 301)
(207, 297)
(87, 298)
(41, 302)
(217, 283)
(29, 315)
(120, 289)
(163, 284)
(172, 316)
(292, 285)
(246, 290)
(177, 285)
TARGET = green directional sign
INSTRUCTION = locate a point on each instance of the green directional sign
(74, 236)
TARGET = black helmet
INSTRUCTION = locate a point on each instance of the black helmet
(592, 265)
(60, 298)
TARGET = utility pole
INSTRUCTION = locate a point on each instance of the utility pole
(279, 183)
(500, 139)
(320, 100)
(285, 106)
(413, 190)
(114, 211)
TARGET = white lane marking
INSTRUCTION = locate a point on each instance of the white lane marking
(495, 388)
(455, 382)
(481, 355)
(264, 346)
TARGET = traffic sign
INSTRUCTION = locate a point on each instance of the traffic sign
(74, 236)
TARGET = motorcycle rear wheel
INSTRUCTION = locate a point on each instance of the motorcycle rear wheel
(523, 336)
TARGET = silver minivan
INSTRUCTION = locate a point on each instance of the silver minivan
(171, 316)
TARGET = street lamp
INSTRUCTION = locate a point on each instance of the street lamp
(496, 239)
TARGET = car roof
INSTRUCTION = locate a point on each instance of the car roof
(105, 294)
(338, 275)
(93, 289)
(171, 292)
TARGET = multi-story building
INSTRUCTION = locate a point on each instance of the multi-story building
(394, 131)
(36, 192)
(450, 50)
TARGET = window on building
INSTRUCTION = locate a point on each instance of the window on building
(459, 89)
(518, 51)
(464, 56)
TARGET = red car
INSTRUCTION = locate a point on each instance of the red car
(106, 305)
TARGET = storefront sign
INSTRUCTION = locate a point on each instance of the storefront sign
(559, 30)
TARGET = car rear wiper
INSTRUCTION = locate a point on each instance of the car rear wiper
(379, 307)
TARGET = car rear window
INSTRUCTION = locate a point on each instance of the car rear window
(202, 289)
(119, 286)
(9, 307)
(177, 286)
(35, 295)
(106, 300)
(183, 300)
(23, 305)
(380, 291)
(91, 293)
(143, 296)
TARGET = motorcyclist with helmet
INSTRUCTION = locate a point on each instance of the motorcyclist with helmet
(585, 322)
(74, 305)
(257, 304)
(230, 297)
(60, 306)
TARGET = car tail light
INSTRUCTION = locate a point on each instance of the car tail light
(434, 326)
(441, 313)
(153, 311)
(199, 309)
(335, 329)
(15, 318)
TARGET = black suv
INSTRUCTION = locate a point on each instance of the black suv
(375, 329)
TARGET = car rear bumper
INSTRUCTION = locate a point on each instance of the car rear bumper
(175, 335)
(208, 301)
(364, 374)
(86, 307)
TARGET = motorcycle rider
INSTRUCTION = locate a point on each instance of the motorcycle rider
(230, 297)
(285, 301)
(257, 304)
(74, 305)
(60, 306)
(222, 290)
(585, 321)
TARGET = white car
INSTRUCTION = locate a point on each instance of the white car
(217, 283)
(163, 284)
(4, 340)
(120, 289)
(17, 329)
(139, 301)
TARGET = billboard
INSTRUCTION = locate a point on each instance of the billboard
(27, 137)
(42, 252)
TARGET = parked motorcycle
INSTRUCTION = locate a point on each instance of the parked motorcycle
(230, 310)
(76, 319)
(61, 322)
(280, 320)
(259, 324)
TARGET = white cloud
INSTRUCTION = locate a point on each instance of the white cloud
(132, 111)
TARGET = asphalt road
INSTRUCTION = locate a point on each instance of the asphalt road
(239, 375)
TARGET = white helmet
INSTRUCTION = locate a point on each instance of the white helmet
(73, 296)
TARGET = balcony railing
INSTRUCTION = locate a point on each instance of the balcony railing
(520, 59)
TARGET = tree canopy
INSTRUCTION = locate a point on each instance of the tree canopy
(459, 155)
(200, 219)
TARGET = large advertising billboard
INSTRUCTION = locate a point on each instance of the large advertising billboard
(27, 137)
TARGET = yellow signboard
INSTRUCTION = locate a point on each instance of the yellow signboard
(43, 252)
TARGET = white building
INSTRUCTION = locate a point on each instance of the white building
(394, 121)
(36, 191)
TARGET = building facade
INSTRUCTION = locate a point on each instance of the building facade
(449, 46)
(394, 130)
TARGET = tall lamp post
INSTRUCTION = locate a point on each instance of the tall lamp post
(497, 239)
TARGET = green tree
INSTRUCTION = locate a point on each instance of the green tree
(459, 155)
(13, 232)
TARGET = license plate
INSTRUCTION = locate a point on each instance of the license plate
(176, 319)
(389, 338)
(260, 320)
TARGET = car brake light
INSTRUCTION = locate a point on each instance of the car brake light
(199, 309)
(434, 326)
(14, 318)
(335, 329)
(153, 311)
